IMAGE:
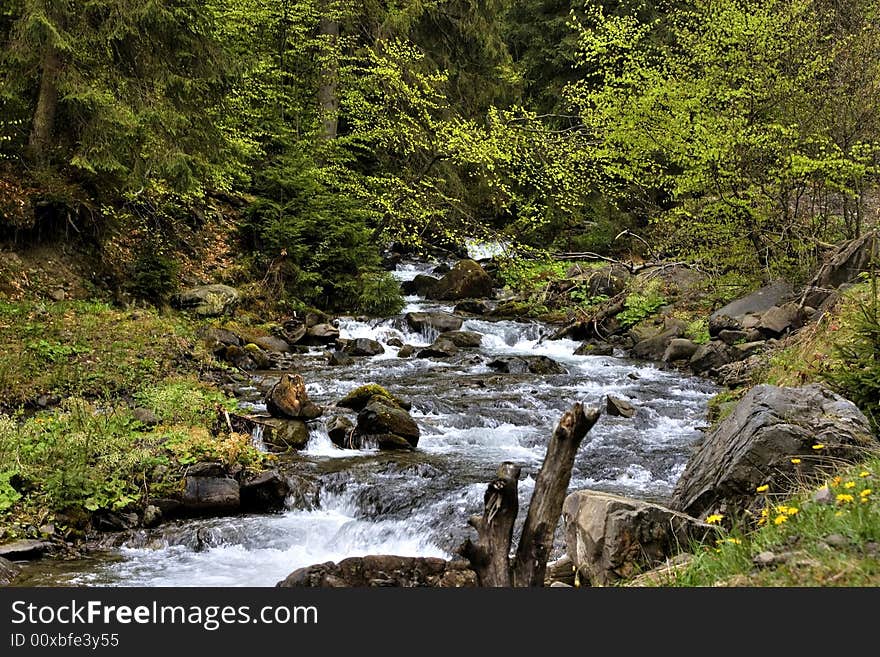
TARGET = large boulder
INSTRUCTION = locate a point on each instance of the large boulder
(422, 285)
(8, 572)
(211, 495)
(358, 398)
(249, 357)
(24, 549)
(441, 322)
(779, 320)
(208, 300)
(609, 538)
(654, 348)
(284, 434)
(463, 339)
(340, 430)
(733, 315)
(363, 347)
(288, 398)
(527, 365)
(709, 357)
(320, 334)
(466, 280)
(755, 444)
(264, 491)
(440, 348)
(680, 349)
(390, 426)
(384, 570)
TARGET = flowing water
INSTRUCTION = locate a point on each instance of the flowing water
(471, 419)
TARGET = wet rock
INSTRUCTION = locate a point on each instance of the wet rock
(680, 349)
(654, 348)
(711, 356)
(211, 494)
(285, 434)
(8, 572)
(24, 550)
(207, 300)
(145, 416)
(594, 348)
(394, 342)
(320, 334)
(288, 398)
(527, 364)
(406, 351)
(380, 416)
(358, 398)
(263, 492)
(110, 521)
(293, 330)
(615, 406)
(152, 516)
(463, 339)
(340, 430)
(609, 538)
(475, 307)
(438, 321)
(441, 348)
(732, 315)
(381, 570)
(364, 347)
(422, 285)
(206, 469)
(339, 359)
(272, 344)
(755, 444)
(466, 280)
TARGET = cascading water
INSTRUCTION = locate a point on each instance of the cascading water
(471, 419)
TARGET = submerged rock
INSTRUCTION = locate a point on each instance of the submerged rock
(265, 491)
(527, 364)
(391, 426)
(8, 572)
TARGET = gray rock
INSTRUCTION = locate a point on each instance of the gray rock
(340, 430)
(824, 496)
(285, 434)
(654, 348)
(381, 417)
(208, 300)
(779, 320)
(679, 349)
(394, 342)
(272, 344)
(463, 339)
(24, 550)
(837, 541)
(527, 365)
(422, 285)
(731, 316)
(711, 356)
(475, 307)
(615, 406)
(441, 322)
(406, 351)
(847, 262)
(594, 348)
(755, 444)
(58, 294)
(732, 337)
(266, 491)
(339, 359)
(152, 516)
(145, 416)
(320, 334)
(211, 494)
(764, 559)
(364, 347)
(609, 538)
(383, 571)
(747, 349)
(206, 469)
(8, 572)
(440, 348)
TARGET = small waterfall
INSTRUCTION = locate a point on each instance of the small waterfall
(257, 439)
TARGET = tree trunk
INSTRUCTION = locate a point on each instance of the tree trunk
(490, 556)
(47, 104)
(551, 487)
(328, 98)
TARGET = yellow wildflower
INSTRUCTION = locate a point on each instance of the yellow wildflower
(819, 446)
(735, 541)
(850, 484)
(839, 513)
(864, 473)
(835, 481)
(843, 497)
(714, 519)
(765, 512)
(792, 510)
(865, 492)
(781, 518)
(795, 461)
(763, 489)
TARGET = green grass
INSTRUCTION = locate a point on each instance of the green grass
(89, 349)
(834, 544)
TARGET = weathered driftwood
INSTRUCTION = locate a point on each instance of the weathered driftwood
(490, 555)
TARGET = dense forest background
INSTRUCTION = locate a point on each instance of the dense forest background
(741, 137)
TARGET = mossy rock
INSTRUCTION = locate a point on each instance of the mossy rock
(358, 398)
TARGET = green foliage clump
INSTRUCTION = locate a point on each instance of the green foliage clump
(379, 294)
(856, 375)
(641, 305)
(153, 276)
